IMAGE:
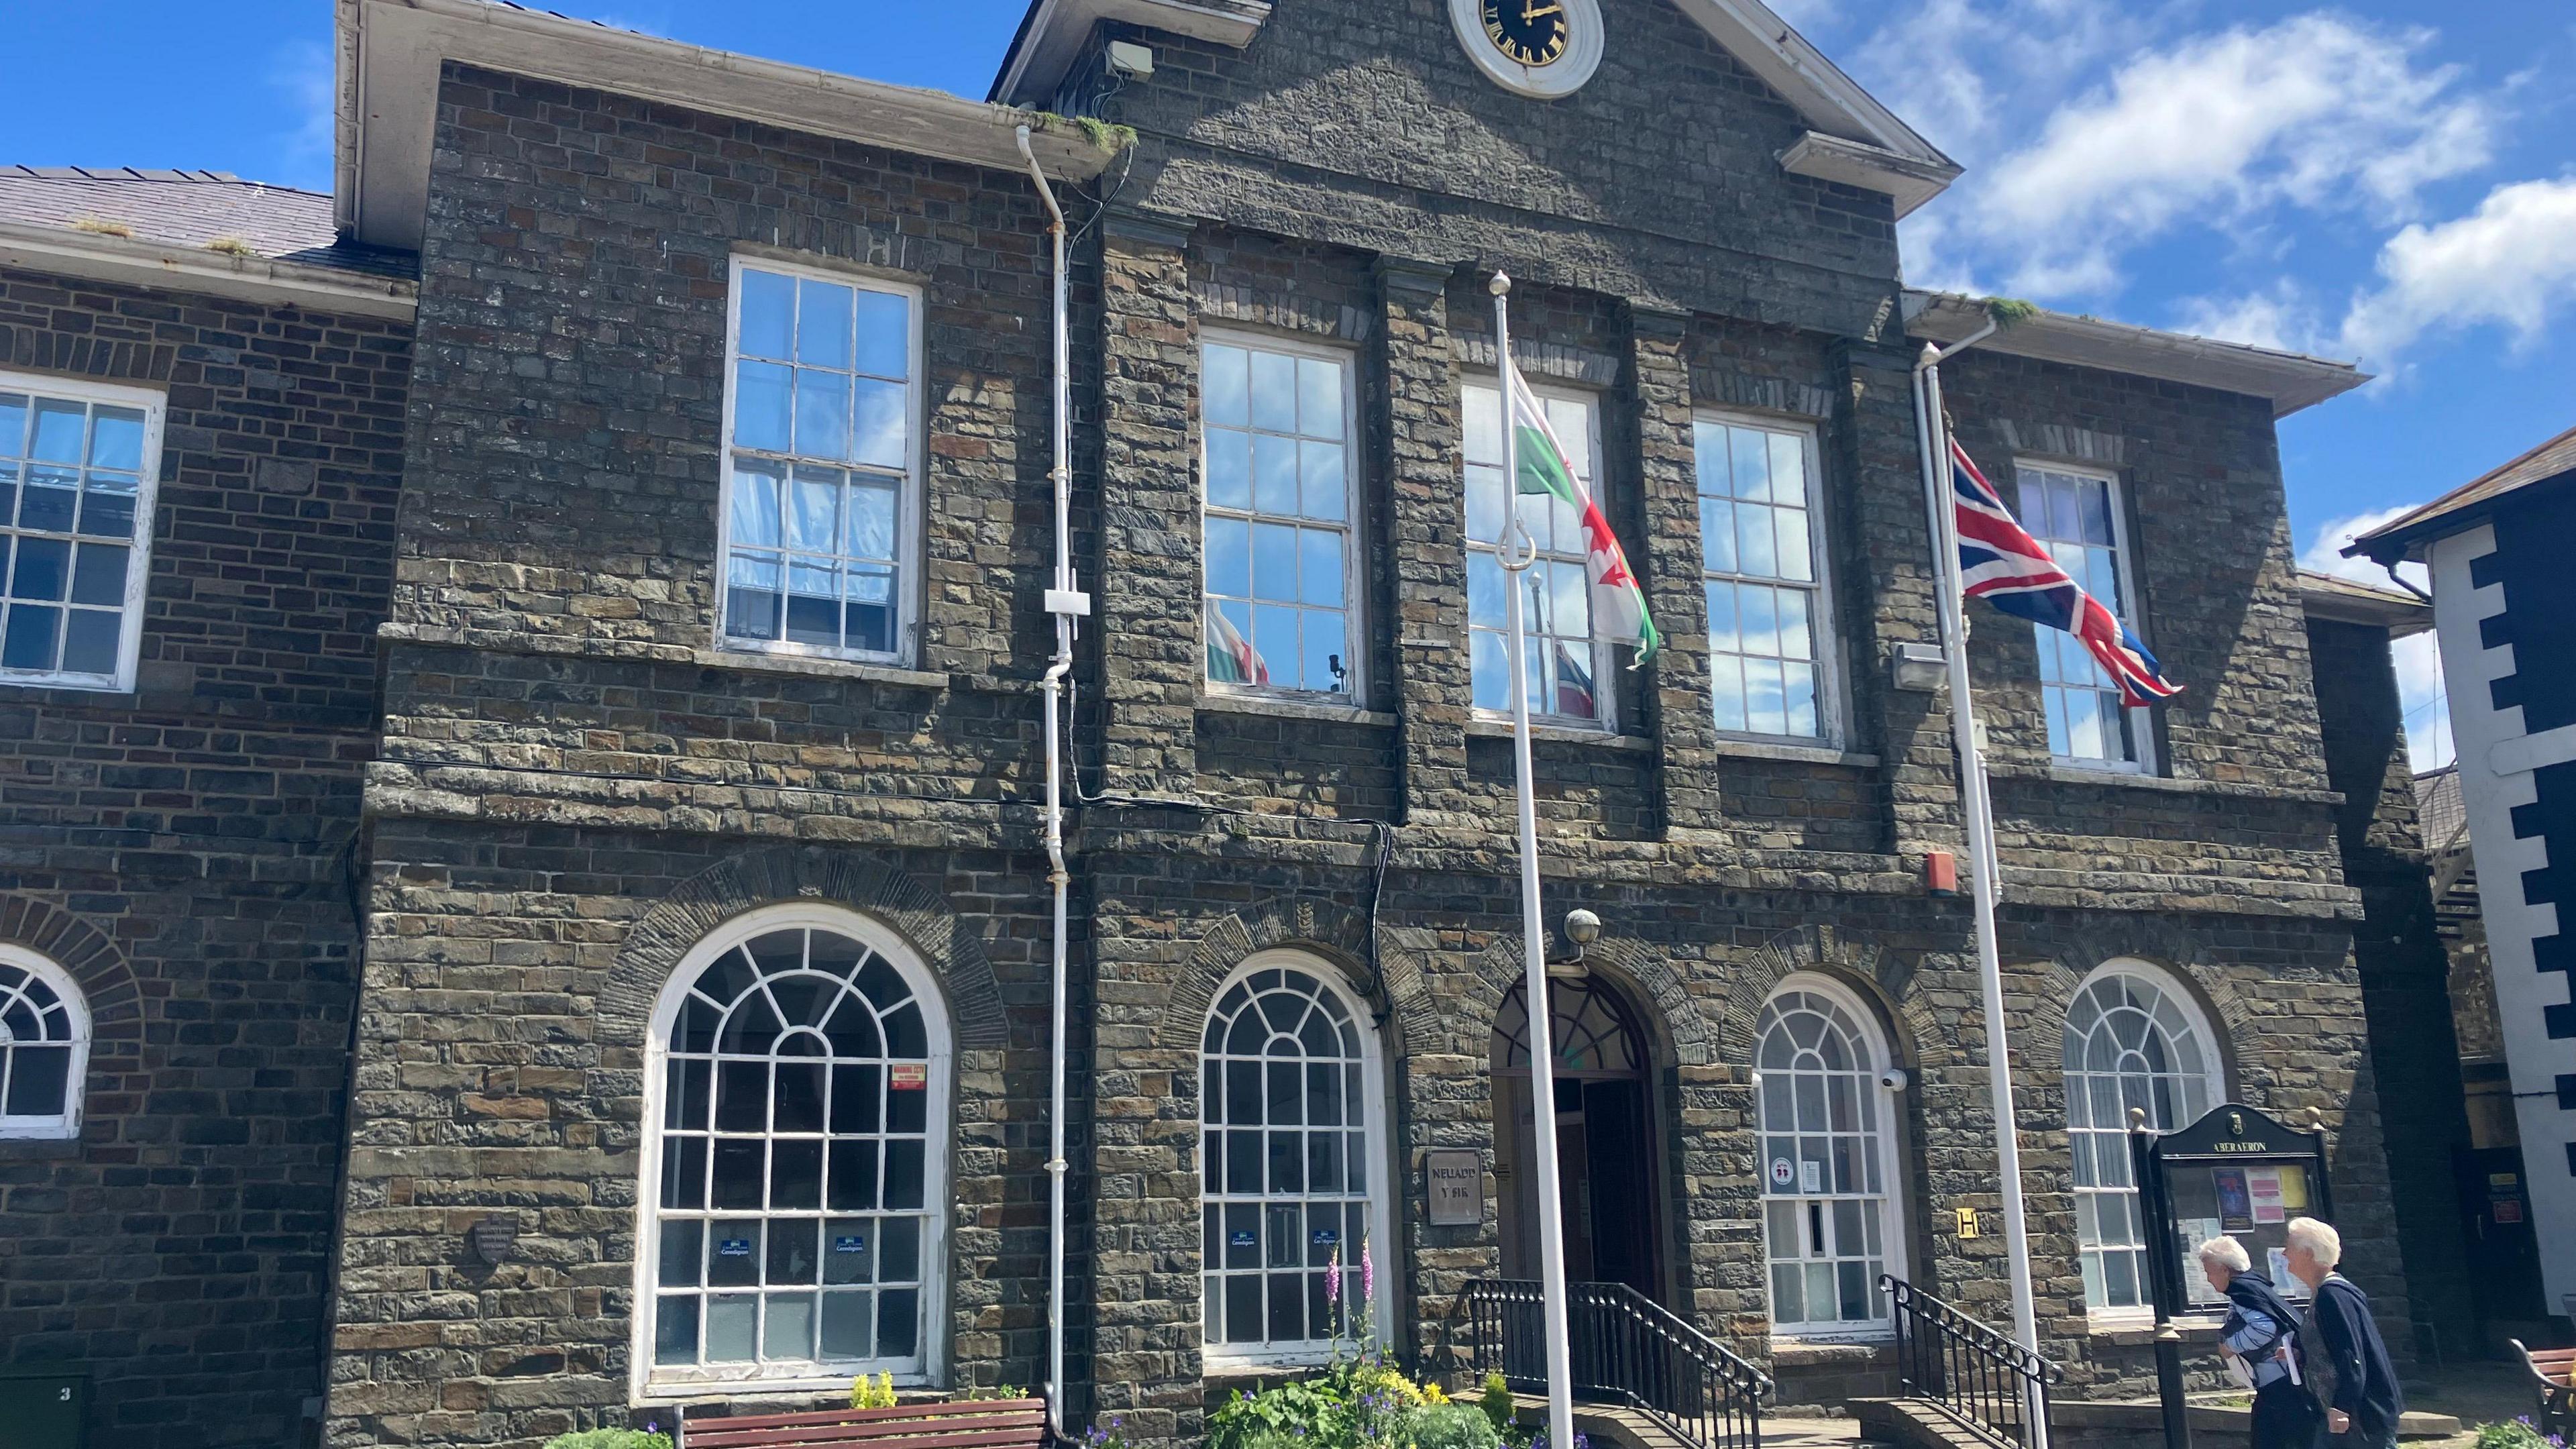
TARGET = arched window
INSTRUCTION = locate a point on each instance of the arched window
(1290, 1174)
(797, 1151)
(2133, 1039)
(1828, 1161)
(44, 1047)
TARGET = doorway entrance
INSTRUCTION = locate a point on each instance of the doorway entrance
(1605, 1140)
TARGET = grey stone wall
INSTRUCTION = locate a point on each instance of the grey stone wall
(565, 756)
(186, 852)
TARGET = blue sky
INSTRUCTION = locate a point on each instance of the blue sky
(2387, 180)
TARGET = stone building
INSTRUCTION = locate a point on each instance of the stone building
(591, 704)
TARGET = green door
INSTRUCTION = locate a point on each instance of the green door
(42, 1410)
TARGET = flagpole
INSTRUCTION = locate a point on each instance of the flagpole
(1931, 425)
(1516, 551)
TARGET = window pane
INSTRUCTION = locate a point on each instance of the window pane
(768, 309)
(822, 414)
(1229, 469)
(89, 641)
(1322, 487)
(1319, 398)
(1225, 385)
(879, 433)
(1274, 392)
(1327, 651)
(1274, 474)
(761, 410)
(30, 637)
(1274, 569)
(675, 1330)
(884, 334)
(822, 324)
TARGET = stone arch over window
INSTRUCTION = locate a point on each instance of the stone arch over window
(2134, 1038)
(868, 885)
(799, 1086)
(1833, 1214)
(1875, 978)
(1294, 1176)
(44, 1047)
(1338, 939)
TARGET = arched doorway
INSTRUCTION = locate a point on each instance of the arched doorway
(1607, 1148)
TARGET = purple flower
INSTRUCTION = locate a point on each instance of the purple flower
(1368, 1272)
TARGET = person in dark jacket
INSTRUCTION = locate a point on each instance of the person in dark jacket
(2357, 1383)
(2262, 1334)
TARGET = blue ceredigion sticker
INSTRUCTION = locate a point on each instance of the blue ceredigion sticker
(733, 1248)
(1327, 1237)
(1243, 1238)
(849, 1243)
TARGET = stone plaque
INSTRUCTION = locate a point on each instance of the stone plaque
(1456, 1182)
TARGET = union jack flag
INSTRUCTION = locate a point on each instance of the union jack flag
(2001, 563)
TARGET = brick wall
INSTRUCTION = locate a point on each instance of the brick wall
(187, 852)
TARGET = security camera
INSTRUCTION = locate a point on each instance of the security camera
(1893, 1079)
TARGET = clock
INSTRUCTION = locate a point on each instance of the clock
(1543, 49)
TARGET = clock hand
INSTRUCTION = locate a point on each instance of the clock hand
(1530, 14)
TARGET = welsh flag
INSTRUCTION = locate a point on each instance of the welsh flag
(1618, 604)
(1231, 659)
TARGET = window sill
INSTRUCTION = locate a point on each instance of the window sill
(2063, 773)
(2137, 1330)
(760, 661)
(512, 641)
(1273, 708)
(765, 1392)
(1801, 754)
(1794, 1350)
(1501, 729)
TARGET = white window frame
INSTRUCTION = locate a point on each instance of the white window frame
(66, 1126)
(1354, 590)
(648, 1381)
(1822, 624)
(2130, 609)
(1605, 693)
(1219, 1358)
(2214, 1076)
(138, 563)
(1893, 1195)
(909, 585)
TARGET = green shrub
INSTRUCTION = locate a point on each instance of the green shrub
(1497, 1402)
(1451, 1426)
(610, 1439)
(2516, 1434)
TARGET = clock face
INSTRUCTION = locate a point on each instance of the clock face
(1528, 32)
(1543, 49)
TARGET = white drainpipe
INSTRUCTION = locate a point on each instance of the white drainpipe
(1065, 603)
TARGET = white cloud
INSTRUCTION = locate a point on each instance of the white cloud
(2282, 317)
(2417, 659)
(2317, 112)
(2511, 262)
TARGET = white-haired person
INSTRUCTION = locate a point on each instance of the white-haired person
(2354, 1379)
(2261, 1335)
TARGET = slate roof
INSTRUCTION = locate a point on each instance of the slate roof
(191, 209)
(2462, 506)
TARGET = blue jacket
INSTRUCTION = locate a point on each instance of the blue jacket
(2365, 1383)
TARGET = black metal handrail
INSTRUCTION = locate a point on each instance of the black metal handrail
(1628, 1350)
(1989, 1383)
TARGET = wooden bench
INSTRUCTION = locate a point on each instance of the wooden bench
(966, 1424)
(2553, 1373)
